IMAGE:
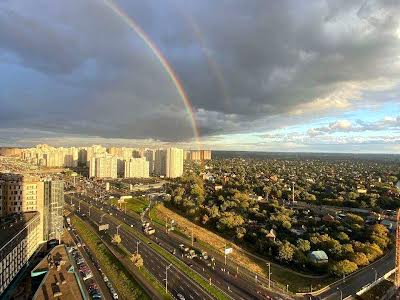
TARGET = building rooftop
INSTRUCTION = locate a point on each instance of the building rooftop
(319, 255)
(11, 225)
(58, 276)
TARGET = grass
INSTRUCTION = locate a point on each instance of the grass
(297, 282)
(148, 276)
(215, 292)
(112, 267)
(135, 204)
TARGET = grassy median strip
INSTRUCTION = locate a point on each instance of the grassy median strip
(211, 289)
(149, 277)
(112, 267)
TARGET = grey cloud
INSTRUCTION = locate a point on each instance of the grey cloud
(357, 126)
(243, 63)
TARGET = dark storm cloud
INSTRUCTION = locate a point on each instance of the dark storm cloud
(241, 62)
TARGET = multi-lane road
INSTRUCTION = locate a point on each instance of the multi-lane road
(178, 283)
(236, 286)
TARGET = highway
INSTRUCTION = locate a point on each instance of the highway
(178, 282)
(237, 286)
(353, 283)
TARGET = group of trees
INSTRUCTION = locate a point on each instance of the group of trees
(234, 213)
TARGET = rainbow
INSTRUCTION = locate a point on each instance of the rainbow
(211, 62)
(167, 67)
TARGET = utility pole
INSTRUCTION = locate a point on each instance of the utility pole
(137, 247)
(166, 277)
(101, 218)
(225, 254)
(376, 274)
(341, 293)
(292, 192)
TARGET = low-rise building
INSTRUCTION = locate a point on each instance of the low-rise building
(59, 278)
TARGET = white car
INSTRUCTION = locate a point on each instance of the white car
(180, 297)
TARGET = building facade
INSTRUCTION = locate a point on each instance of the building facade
(137, 168)
(17, 245)
(103, 167)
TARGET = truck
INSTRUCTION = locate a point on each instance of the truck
(183, 248)
(147, 229)
(192, 254)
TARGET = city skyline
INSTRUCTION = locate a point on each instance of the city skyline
(286, 77)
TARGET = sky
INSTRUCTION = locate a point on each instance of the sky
(261, 75)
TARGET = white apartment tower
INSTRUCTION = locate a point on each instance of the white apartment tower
(103, 167)
(174, 163)
(136, 167)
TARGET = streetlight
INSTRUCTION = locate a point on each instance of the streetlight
(269, 275)
(80, 205)
(118, 227)
(89, 209)
(341, 293)
(166, 277)
(376, 274)
(137, 247)
(101, 218)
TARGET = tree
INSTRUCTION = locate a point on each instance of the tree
(359, 258)
(286, 252)
(240, 232)
(343, 267)
(343, 237)
(116, 239)
(303, 245)
(137, 260)
(230, 220)
(380, 230)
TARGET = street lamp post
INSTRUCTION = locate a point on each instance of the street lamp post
(89, 209)
(118, 227)
(376, 274)
(137, 247)
(101, 218)
(166, 277)
(80, 205)
(341, 293)
(269, 275)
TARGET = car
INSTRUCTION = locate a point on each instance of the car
(115, 295)
(105, 278)
(173, 251)
(180, 297)
(96, 296)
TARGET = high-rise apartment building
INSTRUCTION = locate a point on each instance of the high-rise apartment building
(198, 155)
(174, 163)
(103, 167)
(169, 162)
(160, 162)
(19, 193)
(23, 193)
(53, 205)
(150, 156)
(20, 238)
(136, 167)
